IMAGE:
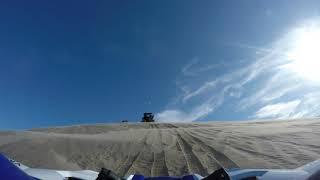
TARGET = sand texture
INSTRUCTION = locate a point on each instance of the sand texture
(167, 149)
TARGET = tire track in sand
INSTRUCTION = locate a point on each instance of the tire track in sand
(219, 157)
(129, 162)
(193, 163)
(159, 166)
(171, 126)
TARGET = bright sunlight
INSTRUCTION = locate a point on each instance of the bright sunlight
(305, 54)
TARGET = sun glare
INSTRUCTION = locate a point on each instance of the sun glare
(305, 53)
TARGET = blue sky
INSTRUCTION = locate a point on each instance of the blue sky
(72, 62)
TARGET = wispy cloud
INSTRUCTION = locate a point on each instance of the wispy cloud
(198, 111)
(191, 69)
(279, 110)
(309, 106)
(187, 69)
(264, 88)
(173, 116)
(277, 86)
(231, 80)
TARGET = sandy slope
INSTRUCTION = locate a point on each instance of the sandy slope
(167, 149)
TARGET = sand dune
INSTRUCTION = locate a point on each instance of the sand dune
(167, 149)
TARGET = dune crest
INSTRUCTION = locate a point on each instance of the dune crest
(167, 149)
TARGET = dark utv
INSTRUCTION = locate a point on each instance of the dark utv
(147, 117)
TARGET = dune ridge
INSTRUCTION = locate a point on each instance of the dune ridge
(155, 149)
